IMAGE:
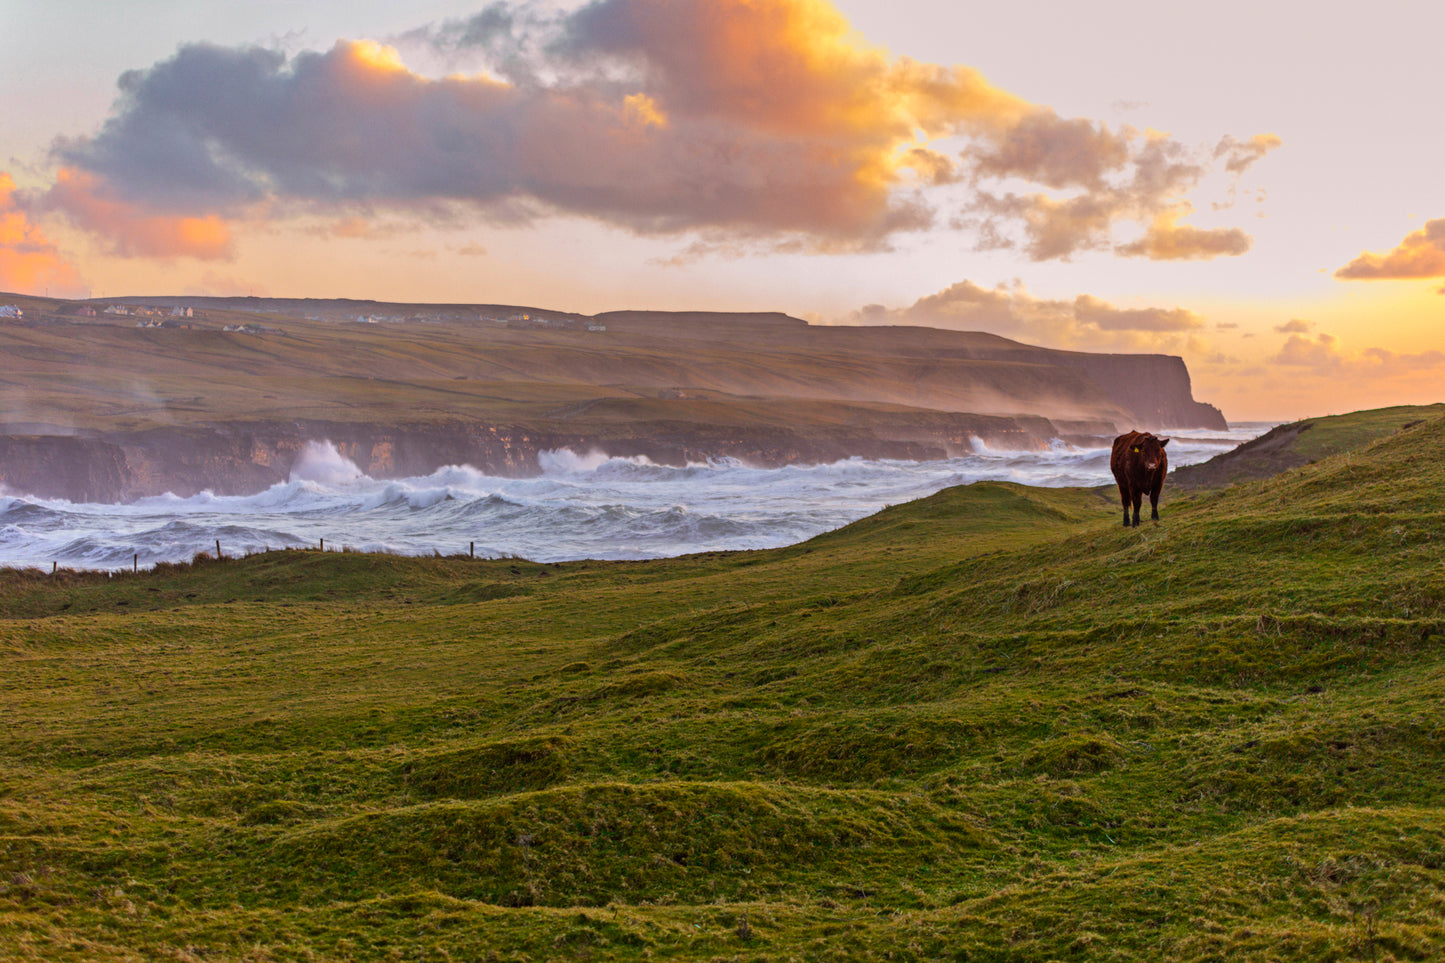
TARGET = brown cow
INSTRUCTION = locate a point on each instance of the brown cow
(1139, 465)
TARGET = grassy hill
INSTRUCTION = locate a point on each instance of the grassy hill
(1302, 443)
(106, 374)
(989, 725)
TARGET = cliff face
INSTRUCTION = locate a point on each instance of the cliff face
(1153, 391)
(930, 367)
(63, 466)
(1155, 388)
(244, 459)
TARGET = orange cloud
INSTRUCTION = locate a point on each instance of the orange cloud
(1167, 240)
(1324, 356)
(1420, 255)
(1295, 326)
(130, 230)
(1301, 351)
(29, 262)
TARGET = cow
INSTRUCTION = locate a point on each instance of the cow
(1139, 465)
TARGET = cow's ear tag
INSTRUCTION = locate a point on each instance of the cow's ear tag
(1135, 449)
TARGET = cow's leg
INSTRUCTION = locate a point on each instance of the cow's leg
(1124, 497)
(1154, 499)
(1138, 499)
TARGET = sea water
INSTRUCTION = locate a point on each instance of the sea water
(580, 505)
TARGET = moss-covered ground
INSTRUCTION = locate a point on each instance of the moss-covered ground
(989, 725)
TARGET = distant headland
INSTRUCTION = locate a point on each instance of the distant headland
(124, 397)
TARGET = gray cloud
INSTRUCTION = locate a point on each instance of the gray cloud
(739, 120)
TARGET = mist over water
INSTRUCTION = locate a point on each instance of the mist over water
(581, 505)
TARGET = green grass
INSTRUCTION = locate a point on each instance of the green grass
(1326, 436)
(989, 725)
(1303, 442)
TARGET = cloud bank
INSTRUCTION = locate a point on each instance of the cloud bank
(1011, 311)
(1323, 356)
(766, 121)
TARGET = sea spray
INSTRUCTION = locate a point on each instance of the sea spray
(582, 505)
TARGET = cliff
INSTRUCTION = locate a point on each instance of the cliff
(225, 401)
(1156, 388)
(244, 458)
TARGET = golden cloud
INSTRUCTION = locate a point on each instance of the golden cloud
(1301, 351)
(1420, 255)
(1295, 326)
(1167, 240)
(1324, 356)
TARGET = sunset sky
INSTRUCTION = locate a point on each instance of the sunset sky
(1254, 187)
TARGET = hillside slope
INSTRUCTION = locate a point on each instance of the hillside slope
(989, 725)
(1301, 443)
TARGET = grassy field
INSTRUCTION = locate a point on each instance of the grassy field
(989, 725)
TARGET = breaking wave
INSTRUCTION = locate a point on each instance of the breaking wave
(581, 505)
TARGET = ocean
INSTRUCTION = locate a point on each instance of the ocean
(581, 505)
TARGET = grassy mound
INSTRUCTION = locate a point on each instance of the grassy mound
(988, 725)
(1302, 443)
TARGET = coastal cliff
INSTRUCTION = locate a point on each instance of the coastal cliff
(1156, 388)
(100, 409)
(241, 459)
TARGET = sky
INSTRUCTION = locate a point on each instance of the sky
(1253, 187)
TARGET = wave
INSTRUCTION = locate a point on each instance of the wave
(581, 505)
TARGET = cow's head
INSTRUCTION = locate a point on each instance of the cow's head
(1149, 450)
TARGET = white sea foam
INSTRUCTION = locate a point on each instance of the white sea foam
(581, 505)
(320, 462)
